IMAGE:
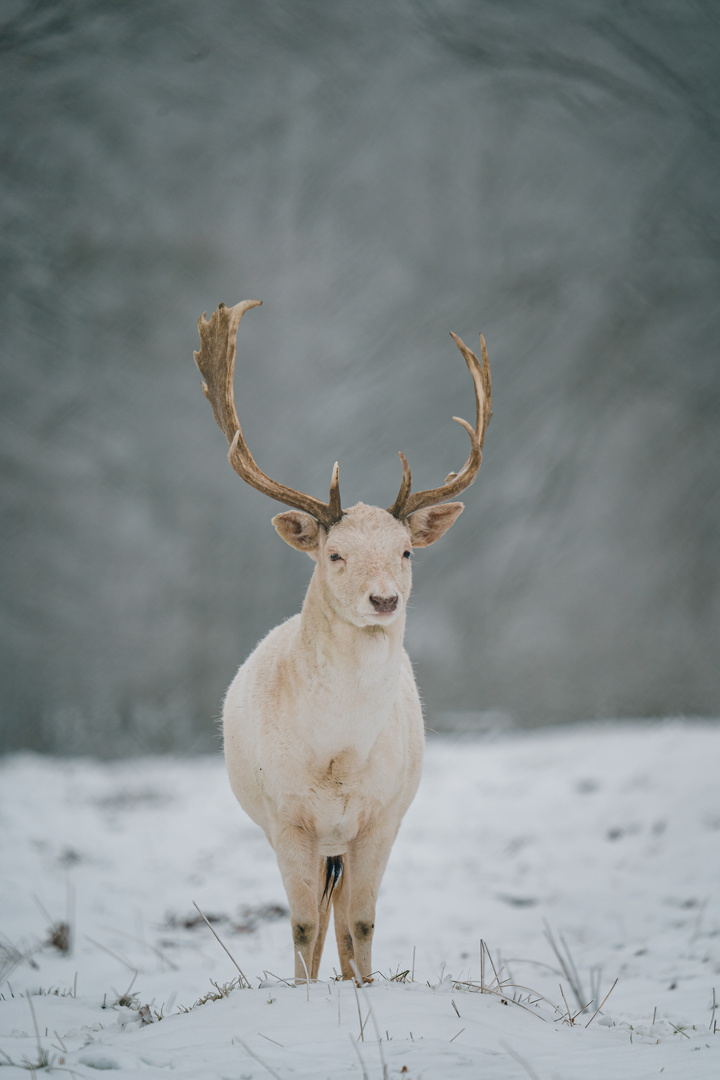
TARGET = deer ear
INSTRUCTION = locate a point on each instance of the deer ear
(427, 526)
(299, 530)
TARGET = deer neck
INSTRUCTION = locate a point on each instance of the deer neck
(351, 672)
(331, 637)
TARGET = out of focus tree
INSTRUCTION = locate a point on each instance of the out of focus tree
(378, 174)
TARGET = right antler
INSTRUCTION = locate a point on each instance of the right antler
(216, 361)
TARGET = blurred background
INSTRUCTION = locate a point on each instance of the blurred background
(378, 173)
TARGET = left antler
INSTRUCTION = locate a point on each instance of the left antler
(407, 504)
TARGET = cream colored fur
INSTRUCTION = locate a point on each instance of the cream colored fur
(323, 725)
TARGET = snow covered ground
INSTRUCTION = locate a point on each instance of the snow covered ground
(603, 838)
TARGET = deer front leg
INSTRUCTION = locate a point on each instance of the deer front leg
(324, 903)
(364, 865)
(299, 863)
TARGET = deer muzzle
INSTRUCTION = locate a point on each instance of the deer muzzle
(384, 604)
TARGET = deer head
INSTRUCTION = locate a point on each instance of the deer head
(363, 553)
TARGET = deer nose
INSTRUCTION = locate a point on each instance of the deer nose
(384, 604)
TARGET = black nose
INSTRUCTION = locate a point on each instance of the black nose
(384, 603)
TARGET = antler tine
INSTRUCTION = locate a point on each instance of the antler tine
(482, 384)
(455, 483)
(216, 361)
(334, 500)
(405, 486)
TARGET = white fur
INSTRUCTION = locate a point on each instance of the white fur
(323, 725)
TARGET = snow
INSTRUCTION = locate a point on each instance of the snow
(602, 838)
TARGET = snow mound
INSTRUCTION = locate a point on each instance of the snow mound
(531, 873)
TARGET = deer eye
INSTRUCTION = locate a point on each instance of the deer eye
(407, 554)
(334, 557)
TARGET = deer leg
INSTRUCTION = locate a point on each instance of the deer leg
(346, 951)
(323, 920)
(299, 864)
(365, 863)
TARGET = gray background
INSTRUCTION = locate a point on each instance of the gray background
(378, 174)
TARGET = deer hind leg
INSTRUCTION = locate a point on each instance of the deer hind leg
(299, 862)
(346, 950)
(329, 876)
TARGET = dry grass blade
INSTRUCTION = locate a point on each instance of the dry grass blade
(574, 1017)
(242, 975)
(358, 977)
(116, 956)
(603, 1002)
(361, 1036)
(356, 1048)
(279, 979)
(568, 967)
(35, 1024)
(217, 994)
(10, 957)
(44, 1060)
(534, 963)
(267, 1037)
(520, 1060)
(567, 1007)
(571, 965)
(570, 1017)
(160, 955)
(259, 1060)
(483, 945)
(478, 988)
(307, 976)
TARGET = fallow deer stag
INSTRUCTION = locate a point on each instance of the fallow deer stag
(322, 724)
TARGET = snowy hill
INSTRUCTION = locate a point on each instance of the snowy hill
(578, 855)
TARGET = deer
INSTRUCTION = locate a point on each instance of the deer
(323, 727)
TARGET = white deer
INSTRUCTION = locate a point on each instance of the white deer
(323, 726)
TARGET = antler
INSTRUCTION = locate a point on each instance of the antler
(216, 361)
(407, 504)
